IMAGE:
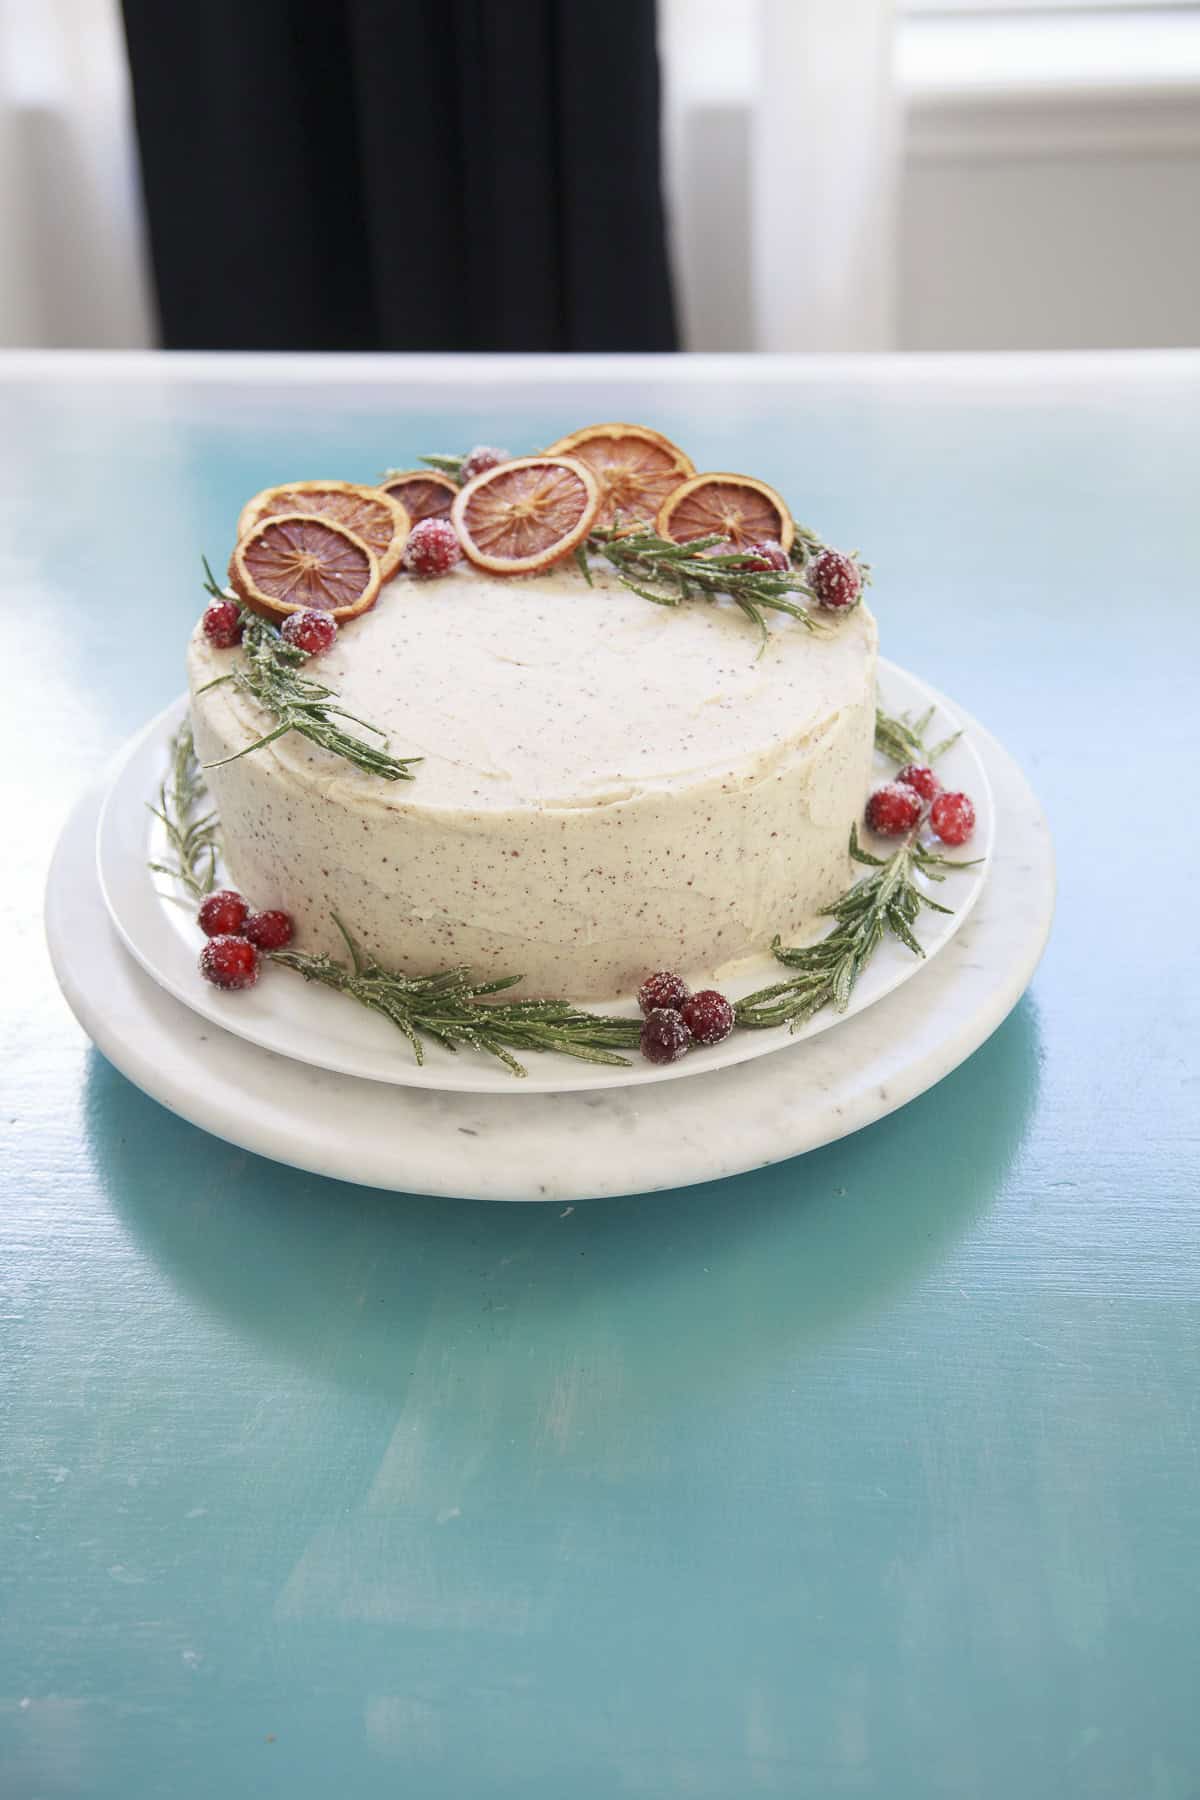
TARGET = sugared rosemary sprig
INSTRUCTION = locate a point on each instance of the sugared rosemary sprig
(446, 465)
(269, 672)
(191, 833)
(886, 901)
(901, 739)
(668, 573)
(455, 1010)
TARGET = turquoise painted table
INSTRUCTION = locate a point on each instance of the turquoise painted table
(870, 1474)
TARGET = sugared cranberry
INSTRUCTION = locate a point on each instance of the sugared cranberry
(662, 989)
(269, 930)
(835, 580)
(923, 779)
(708, 1016)
(229, 962)
(222, 624)
(767, 555)
(952, 818)
(665, 1037)
(483, 456)
(311, 631)
(222, 913)
(432, 547)
(893, 809)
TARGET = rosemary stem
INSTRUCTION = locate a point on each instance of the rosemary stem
(269, 672)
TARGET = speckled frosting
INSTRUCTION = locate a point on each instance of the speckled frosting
(607, 787)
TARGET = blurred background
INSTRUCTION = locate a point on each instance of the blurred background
(599, 174)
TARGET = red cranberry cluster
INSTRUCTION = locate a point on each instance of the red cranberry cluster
(432, 548)
(675, 1018)
(896, 808)
(236, 938)
(222, 624)
(311, 631)
(483, 456)
(835, 579)
(769, 556)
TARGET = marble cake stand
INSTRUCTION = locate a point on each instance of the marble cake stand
(517, 1146)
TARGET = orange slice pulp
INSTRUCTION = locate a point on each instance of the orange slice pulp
(377, 518)
(635, 468)
(423, 493)
(738, 507)
(287, 563)
(526, 514)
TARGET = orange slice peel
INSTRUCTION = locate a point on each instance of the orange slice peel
(635, 468)
(378, 518)
(526, 514)
(293, 562)
(737, 507)
(423, 493)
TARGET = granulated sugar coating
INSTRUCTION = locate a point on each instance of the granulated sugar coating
(607, 787)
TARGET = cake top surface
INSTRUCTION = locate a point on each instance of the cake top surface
(544, 692)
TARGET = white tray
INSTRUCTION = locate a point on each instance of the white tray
(564, 1147)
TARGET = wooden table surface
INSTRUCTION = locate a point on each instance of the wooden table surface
(874, 1473)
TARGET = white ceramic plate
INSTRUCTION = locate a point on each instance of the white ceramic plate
(314, 1025)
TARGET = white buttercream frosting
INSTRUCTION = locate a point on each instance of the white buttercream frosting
(607, 787)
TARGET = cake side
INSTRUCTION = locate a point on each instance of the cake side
(607, 785)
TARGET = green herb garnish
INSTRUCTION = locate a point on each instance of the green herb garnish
(884, 903)
(668, 573)
(191, 832)
(901, 739)
(268, 672)
(456, 1010)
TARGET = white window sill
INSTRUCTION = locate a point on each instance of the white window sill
(1027, 54)
(1081, 83)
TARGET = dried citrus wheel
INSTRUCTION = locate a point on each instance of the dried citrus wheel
(635, 468)
(423, 493)
(735, 506)
(524, 515)
(287, 564)
(379, 519)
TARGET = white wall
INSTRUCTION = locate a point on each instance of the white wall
(1044, 201)
(1051, 187)
(1050, 253)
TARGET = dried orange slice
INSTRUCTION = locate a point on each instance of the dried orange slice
(635, 468)
(377, 518)
(524, 515)
(423, 493)
(736, 506)
(297, 560)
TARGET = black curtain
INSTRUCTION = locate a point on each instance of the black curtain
(402, 174)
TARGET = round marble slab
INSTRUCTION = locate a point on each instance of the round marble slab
(564, 1146)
